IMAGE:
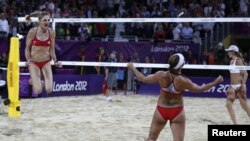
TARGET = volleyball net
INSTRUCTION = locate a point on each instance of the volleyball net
(143, 20)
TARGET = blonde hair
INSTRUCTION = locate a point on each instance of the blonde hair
(239, 55)
(39, 14)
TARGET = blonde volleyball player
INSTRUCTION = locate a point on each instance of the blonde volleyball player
(40, 49)
(170, 103)
(238, 79)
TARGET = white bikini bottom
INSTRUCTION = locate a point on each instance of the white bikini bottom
(235, 86)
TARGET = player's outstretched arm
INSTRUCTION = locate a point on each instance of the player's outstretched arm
(189, 85)
(153, 78)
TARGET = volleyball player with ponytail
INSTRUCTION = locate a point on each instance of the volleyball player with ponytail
(170, 102)
(39, 50)
(238, 80)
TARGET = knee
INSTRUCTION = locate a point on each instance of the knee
(243, 104)
(230, 92)
(229, 102)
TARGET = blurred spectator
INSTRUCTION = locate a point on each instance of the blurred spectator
(122, 74)
(89, 12)
(68, 31)
(146, 71)
(81, 57)
(208, 9)
(60, 32)
(56, 11)
(135, 59)
(51, 5)
(244, 7)
(3, 60)
(137, 30)
(116, 8)
(148, 30)
(101, 57)
(211, 60)
(160, 34)
(187, 32)
(153, 61)
(83, 32)
(144, 12)
(177, 32)
(111, 76)
(191, 59)
(196, 36)
(110, 8)
(100, 29)
(220, 54)
(4, 26)
(204, 58)
(208, 26)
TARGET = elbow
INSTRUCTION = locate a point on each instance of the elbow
(200, 91)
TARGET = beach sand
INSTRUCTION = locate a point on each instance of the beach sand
(91, 118)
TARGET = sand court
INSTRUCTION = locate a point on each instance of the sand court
(91, 118)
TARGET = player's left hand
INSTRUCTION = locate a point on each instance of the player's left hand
(58, 64)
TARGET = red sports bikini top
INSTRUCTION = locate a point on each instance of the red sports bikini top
(37, 42)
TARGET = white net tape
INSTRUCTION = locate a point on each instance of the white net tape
(129, 20)
(146, 65)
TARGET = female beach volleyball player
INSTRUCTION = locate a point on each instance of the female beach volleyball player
(39, 51)
(170, 103)
(238, 80)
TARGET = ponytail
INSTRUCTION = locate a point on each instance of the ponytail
(38, 14)
(173, 61)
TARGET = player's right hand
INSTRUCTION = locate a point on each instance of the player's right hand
(219, 79)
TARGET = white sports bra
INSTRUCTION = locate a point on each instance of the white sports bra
(234, 70)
